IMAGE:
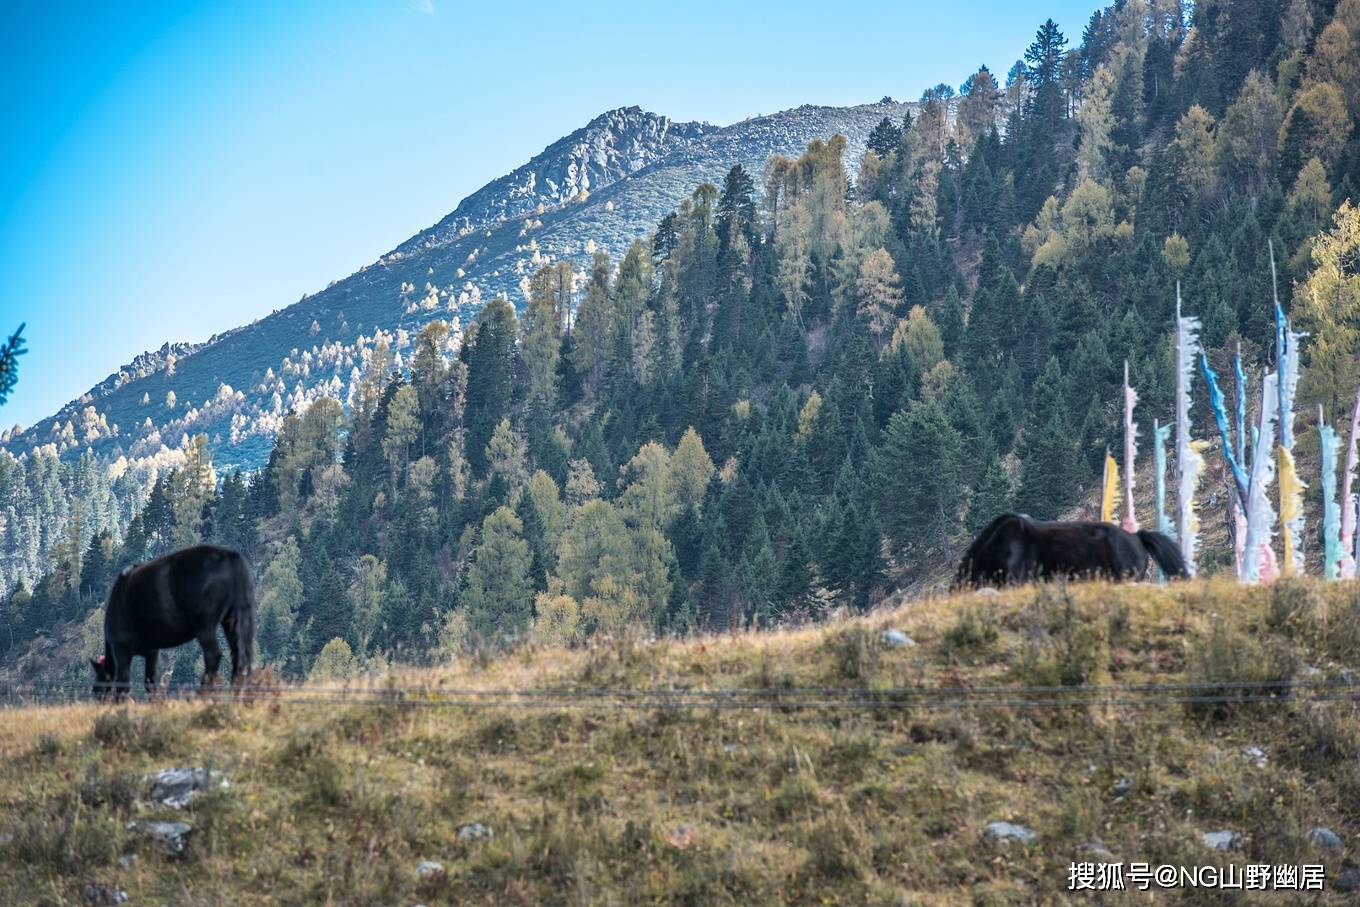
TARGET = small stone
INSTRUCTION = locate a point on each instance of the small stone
(431, 872)
(127, 859)
(1008, 833)
(93, 893)
(1123, 786)
(178, 787)
(896, 639)
(1324, 838)
(474, 831)
(683, 836)
(1256, 756)
(1348, 881)
(171, 837)
(1222, 840)
(730, 748)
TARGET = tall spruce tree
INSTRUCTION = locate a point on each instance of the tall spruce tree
(490, 355)
(1050, 455)
(499, 593)
(917, 472)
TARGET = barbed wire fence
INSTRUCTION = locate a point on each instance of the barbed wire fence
(1013, 697)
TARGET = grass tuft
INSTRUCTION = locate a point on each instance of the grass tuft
(135, 731)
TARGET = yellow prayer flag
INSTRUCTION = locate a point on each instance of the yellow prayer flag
(1111, 489)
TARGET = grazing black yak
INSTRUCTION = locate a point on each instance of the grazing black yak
(167, 602)
(1016, 549)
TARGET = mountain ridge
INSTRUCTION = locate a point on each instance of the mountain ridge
(237, 386)
(568, 167)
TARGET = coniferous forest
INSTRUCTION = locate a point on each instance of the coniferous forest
(807, 386)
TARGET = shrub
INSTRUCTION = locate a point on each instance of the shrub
(114, 791)
(68, 842)
(1066, 645)
(302, 745)
(135, 732)
(1293, 606)
(324, 782)
(336, 663)
(1234, 671)
(49, 746)
(854, 652)
(837, 848)
(974, 635)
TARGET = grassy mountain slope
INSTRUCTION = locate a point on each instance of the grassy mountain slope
(593, 804)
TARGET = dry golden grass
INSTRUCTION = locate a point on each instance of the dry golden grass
(590, 804)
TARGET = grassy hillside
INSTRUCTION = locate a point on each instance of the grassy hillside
(590, 803)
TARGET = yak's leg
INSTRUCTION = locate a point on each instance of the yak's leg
(212, 657)
(152, 687)
(122, 672)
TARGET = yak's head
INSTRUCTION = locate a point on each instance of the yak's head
(103, 676)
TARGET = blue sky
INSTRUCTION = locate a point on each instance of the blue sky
(170, 170)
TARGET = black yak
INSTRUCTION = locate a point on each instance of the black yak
(1016, 549)
(182, 596)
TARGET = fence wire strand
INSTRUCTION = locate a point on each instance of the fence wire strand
(1346, 689)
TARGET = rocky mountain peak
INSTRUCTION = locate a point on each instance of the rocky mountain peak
(613, 145)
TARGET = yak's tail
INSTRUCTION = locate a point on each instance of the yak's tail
(240, 622)
(1165, 552)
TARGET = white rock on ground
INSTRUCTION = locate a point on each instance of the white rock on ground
(171, 837)
(1222, 840)
(103, 895)
(177, 787)
(474, 831)
(896, 639)
(1008, 833)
